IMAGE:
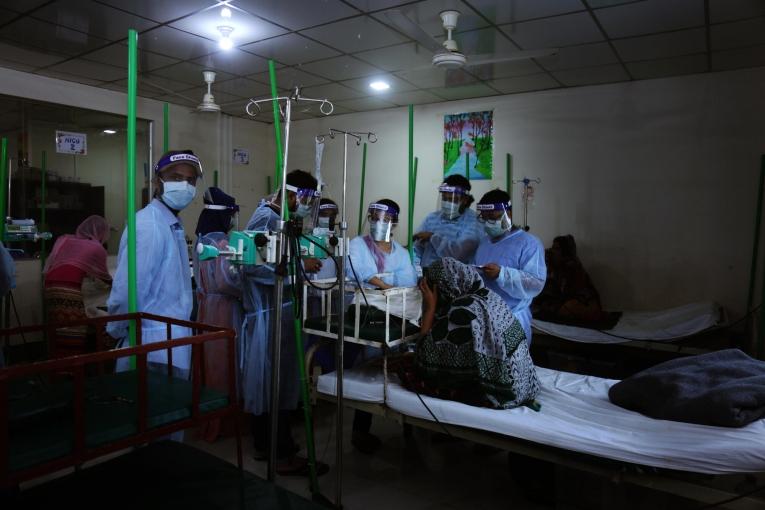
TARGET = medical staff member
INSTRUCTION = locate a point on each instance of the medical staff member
(512, 261)
(162, 262)
(7, 281)
(258, 295)
(326, 224)
(453, 230)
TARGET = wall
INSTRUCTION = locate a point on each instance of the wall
(656, 179)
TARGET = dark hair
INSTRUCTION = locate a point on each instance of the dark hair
(495, 196)
(301, 179)
(389, 203)
(458, 180)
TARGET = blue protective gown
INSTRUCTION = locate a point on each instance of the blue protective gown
(163, 282)
(457, 238)
(522, 259)
(7, 272)
(255, 354)
(397, 263)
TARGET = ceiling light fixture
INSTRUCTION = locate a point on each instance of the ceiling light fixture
(225, 41)
(225, 12)
(110, 131)
(379, 85)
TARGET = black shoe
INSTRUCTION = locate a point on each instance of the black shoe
(365, 442)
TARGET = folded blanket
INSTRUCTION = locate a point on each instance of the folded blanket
(724, 388)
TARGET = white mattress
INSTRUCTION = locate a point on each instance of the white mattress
(364, 384)
(576, 415)
(661, 326)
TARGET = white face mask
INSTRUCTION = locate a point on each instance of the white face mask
(380, 230)
(178, 195)
(323, 221)
(450, 210)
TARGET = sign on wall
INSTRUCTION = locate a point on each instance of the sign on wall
(469, 144)
(71, 143)
(242, 156)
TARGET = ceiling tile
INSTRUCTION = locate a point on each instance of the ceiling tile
(398, 57)
(49, 37)
(340, 68)
(396, 85)
(220, 96)
(426, 15)
(376, 5)
(298, 14)
(738, 58)
(16, 65)
(174, 99)
(434, 77)
(93, 18)
(539, 81)
(414, 97)
(160, 10)
(29, 56)
(247, 28)
(670, 44)
(92, 70)
(367, 103)
(512, 11)
(153, 82)
(189, 73)
(730, 10)
(464, 91)
(291, 49)
(234, 61)
(585, 55)
(355, 34)
(68, 77)
(740, 33)
(651, 16)
(668, 67)
(565, 30)
(175, 43)
(289, 77)
(591, 75)
(485, 40)
(505, 69)
(596, 4)
(242, 87)
(332, 91)
(116, 54)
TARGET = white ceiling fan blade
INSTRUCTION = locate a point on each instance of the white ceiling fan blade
(479, 60)
(413, 30)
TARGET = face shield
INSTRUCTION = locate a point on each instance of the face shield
(381, 221)
(450, 201)
(306, 206)
(326, 219)
(496, 218)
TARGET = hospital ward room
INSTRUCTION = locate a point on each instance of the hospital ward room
(382, 254)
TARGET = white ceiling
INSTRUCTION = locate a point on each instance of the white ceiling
(334, 48)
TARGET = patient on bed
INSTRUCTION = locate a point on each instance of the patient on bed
(569, 296)
(473, 348)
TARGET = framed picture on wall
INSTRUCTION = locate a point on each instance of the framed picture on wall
(469, 144)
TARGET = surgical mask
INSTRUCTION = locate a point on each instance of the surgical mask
(380, 230)
(494, 228)
(323, 221)
(178, 195)
(450, 210)
(303, 210)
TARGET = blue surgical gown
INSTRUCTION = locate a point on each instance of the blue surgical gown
(7, 272)
(457, 238)
(522, 259)
(257, 330)
(397, 263)
(163, 282)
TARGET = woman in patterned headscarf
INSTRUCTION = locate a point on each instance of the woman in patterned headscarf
(473, 349)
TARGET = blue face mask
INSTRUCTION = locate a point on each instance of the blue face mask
(380, 230)
(450, 210)
(323, 222)
(178, 195)
(494, 228)
(303, 210)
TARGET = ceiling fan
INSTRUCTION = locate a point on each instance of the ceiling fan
(447, 55)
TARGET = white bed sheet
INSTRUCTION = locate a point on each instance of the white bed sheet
(364, 384)
(576, 415)
(661, 326)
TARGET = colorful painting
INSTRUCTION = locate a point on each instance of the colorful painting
(469, 144)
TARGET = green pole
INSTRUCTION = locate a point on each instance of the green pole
(3, 185)
(277, 136)
(467, 166)
(215, 178)
(166, 127)
(509, 175)
(411, 177)
(363, 179)
(414, 183)
(130, 184)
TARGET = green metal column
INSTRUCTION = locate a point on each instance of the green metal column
(411, 177)
(467, 166)
(414, 183)
(165, 127)
(130, 184)
(277, 135)
(3, 185)
(509, 175)
(363, 180)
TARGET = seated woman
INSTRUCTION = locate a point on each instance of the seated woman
(472, 349)
(72, 260)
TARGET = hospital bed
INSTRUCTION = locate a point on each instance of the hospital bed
(61, 413)
(577, 427)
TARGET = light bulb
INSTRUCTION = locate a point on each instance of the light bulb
(109, 131)
(225, 12)
(379, 85)
(225, 43)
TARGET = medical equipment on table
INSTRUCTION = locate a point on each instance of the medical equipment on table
(246, 248)
(24, 230)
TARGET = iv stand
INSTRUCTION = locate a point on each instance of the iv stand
(526, 185)
(282, 255)
(372, 138)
